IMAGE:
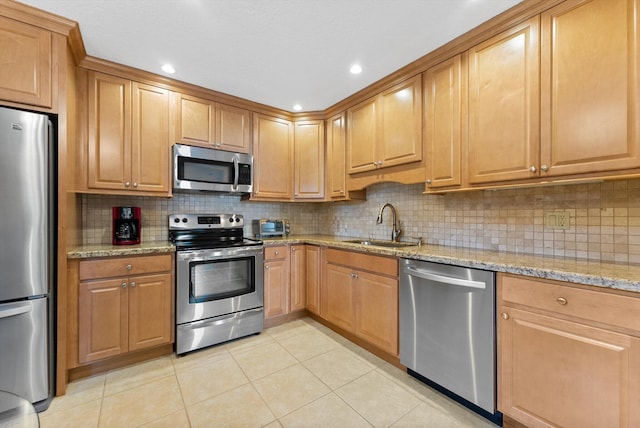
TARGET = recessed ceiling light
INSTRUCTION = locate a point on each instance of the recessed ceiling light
(355, 69)
(297, 107)
(168, 68)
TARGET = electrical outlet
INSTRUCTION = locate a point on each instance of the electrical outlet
(557, 220)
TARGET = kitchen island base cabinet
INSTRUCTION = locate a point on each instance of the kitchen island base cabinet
(124, 305)
(558, 369)
(359, 294)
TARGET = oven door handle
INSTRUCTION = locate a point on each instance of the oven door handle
(223, 319)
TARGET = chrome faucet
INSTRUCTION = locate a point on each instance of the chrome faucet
(396, 231)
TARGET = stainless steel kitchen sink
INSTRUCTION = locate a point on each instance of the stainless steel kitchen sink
(386, 244)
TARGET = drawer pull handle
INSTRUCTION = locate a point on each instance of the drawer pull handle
(133, 284)
(129, 267)
(123, 285)
(562, 300)
(505, 316)
(277, 253)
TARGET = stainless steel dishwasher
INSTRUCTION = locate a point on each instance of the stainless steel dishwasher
(447, 331)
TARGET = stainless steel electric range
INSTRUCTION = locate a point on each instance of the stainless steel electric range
(219, 280)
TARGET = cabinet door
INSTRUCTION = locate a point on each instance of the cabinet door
(362, 136)
(102, 319)
(150, 311)
(276, 288)
(233, 129)
(336, 157)
(273, 164)
(194, 119)
(337, 300)
(400, 133)
(109, 132)
(313, 279)
(298, 277)
(150, 139)
(554, 372)
(25, 74)
(376, 319)
(504, 116)
(309, 160)
(444, 105)
(590, 93)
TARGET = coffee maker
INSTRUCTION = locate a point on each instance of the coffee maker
(126, 225)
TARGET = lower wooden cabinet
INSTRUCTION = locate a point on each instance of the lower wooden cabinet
(359, 293)
(567, 356)
(312, 278)
(124, 304)
(276, 281)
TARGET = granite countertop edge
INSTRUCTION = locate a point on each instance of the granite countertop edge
(619, 276)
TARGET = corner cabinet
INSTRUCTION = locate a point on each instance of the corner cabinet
(26, 71)
(567, 355)
(206, 123)
(359, 294)
(272, 162)
(386, 130)
(124, 305)
(128, 137)
(308, 160)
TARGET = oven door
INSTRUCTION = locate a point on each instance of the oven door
(211, 283)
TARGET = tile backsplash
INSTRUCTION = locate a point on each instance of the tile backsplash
(604, 217)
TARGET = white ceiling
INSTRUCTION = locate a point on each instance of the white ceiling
(275, 52)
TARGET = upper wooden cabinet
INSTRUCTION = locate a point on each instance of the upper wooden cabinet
(205, 123)
(336, 157)
(128, 141)
(308, 160)
(273, 157)
(444, 100)
(386, 130)
(26, 71)
(590, 95)
(504, 123)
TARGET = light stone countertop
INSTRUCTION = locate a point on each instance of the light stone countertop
(620, 276)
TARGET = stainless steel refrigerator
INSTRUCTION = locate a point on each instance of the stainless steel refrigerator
(27, 267)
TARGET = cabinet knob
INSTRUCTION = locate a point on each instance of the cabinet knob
(294, 249)
(544, 168)
(295, 194)
(354, 275)
(505, 316)
(342, 192)
(266, 266)
(127, 184)
(562, 301)
(129, 267)
(123, 285)
(277, 253)
(133, 284)
(533, 169)
(135, 185)
(428, 181)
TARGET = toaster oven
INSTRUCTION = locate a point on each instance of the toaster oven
(268, 228)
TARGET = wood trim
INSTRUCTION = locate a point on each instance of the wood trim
(118, 362)
(281, 319)
(38, 17)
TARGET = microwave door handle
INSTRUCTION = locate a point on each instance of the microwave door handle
(236, 174)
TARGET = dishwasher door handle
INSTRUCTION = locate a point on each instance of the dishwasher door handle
(425, 274)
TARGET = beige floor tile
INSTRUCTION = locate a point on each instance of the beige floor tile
(378, 399)
(274, 424)
(308, 344)
(264, 360)
(210, 379)
(198, 358)
(141, 405)
(289, 329)
(84, 415)
(241, 407)
(78, 392)
(338, 367)
(177, 419)
(139, 374)
(427, 415)
(290, 389)
(248, 343)
(326, 412)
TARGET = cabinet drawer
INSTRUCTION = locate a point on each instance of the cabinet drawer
(124, 266)
(598, 306)
(275, 253)
(366, 262)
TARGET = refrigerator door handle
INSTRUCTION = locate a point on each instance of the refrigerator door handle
(13, 309)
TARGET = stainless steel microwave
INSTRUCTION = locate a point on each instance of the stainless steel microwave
(203, 169)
